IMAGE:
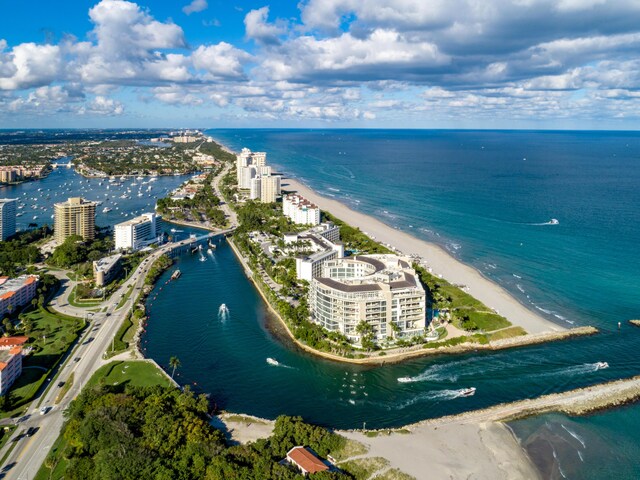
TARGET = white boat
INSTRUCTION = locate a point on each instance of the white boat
(467, 392)
(209, 251)
(106, 210)
(273, 361)
(601, 365)
(554, 221)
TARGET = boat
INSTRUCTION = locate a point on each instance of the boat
(106, 210)
(467, 392)
(273, 361)
(176, 274)
(601, 365)
(209, 251)
(554, 221)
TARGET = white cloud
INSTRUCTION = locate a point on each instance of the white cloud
(29, 65)
(258, 28)
(220, 61)
(195, 6)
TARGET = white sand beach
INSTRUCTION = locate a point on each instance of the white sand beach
(436, 258)
(478, 451)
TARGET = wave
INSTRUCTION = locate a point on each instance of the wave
(519, 287)
(333, 189)
(574, 435)
(517, 276)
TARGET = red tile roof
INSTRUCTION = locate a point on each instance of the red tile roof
(306, 460)
(15, 350)
(13, 341)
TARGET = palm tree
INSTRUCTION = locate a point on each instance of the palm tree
(174, 362)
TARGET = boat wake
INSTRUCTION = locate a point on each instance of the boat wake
(553, 221)
(440, 396)
(223, 313)
(275, 363)
(441, 372)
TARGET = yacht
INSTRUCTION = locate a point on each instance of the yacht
(176, 274)
(106, 210)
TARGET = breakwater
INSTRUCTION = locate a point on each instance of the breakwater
(580, 401)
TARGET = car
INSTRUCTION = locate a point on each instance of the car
(60, 384)
(31, 431)
(44, 409)
(77, 359)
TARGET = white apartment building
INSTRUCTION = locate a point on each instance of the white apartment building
(7, 218)
(324, 243)
(105, 269)
(300, 210)
(381, 290)
(10, 368)
(248, 165)
(137, 232)
(17, 292)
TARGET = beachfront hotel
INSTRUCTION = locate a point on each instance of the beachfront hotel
(248, 165)
(137, 232)
(300, 210)
(381, 290)
(7, 218)
(76, 216)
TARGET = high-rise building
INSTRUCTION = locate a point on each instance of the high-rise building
(76, 216)
(300, 210)
(256, 188)
(269, 188)
(248, 165)
(7, 218)
(137, 232)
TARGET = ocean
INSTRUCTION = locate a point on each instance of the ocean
(489, 198)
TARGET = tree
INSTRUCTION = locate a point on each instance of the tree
(174, 363)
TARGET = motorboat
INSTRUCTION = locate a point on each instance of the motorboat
(273, 361)
(467, 392)
(554, 221)
(601, 365)
(176, 274)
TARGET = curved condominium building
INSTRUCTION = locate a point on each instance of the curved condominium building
(382, 290)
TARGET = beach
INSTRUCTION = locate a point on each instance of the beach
(440, 262)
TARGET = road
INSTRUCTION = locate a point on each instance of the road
(29, 453)
(85, 358)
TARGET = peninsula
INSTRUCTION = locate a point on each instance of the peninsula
(299, 249)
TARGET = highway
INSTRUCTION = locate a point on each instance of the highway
(30, 452)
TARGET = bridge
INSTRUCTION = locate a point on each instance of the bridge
(176, 248)
(56, 165)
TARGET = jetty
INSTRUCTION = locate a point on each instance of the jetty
(581, 401)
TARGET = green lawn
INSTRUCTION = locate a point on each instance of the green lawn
(124, 298)
(489, 321)
(51, 337)
(139, 373)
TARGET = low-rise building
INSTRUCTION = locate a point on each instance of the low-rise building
(381, 290)
(306, 461)
(16, 292)
(10, 367)
(106, 269)
(137, 232)
(300, 210)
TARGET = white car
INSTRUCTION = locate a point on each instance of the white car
(44, 410)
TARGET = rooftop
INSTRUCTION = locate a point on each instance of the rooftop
(145, 217)
(307, 460)
(17, 341)
(106, 263)
(9, 286)
(6, 355)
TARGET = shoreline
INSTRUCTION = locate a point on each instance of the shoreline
(389, 358)
(436, 258)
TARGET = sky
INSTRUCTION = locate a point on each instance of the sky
(530, 64)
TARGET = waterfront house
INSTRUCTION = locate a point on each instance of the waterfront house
(306, 461)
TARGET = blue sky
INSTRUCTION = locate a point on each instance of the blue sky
(566, 64)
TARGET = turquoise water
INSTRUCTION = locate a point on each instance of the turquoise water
(485, 196)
